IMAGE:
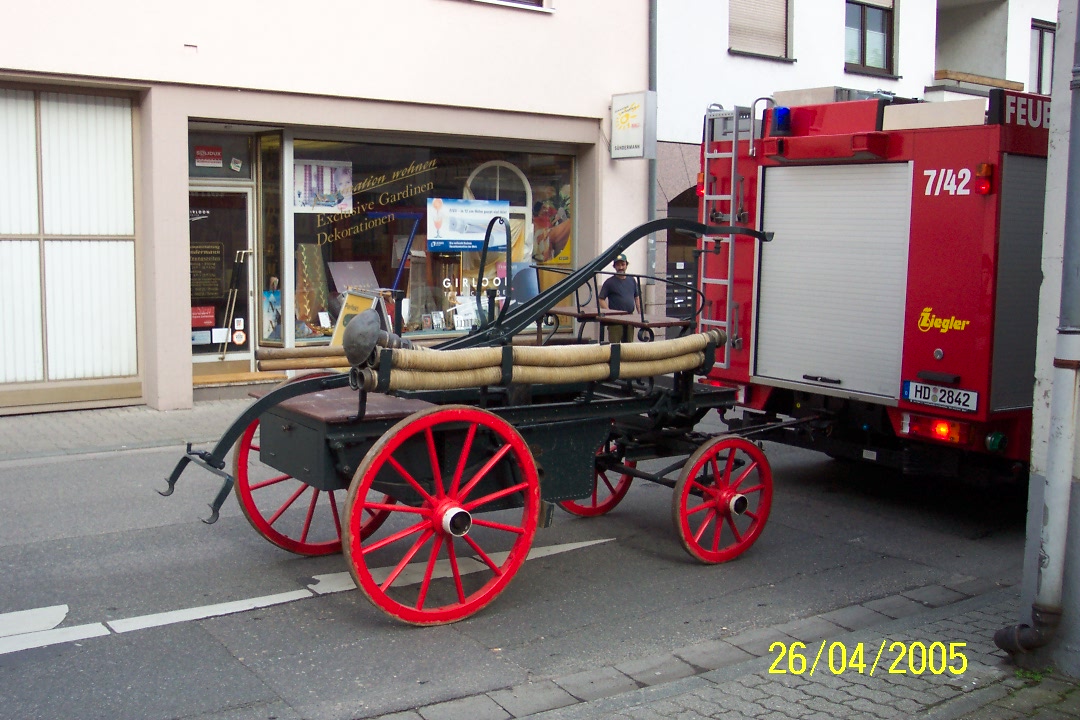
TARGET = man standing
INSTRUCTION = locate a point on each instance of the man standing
(620, 292)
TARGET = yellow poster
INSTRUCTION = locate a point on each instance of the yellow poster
(354, 304)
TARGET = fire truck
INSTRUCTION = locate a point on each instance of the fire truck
(892, 315)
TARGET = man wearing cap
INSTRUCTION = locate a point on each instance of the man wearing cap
(620, 292)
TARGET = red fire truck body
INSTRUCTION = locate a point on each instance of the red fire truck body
(893, 314)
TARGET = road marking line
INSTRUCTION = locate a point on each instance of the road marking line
(28, 621)
(414, 572)
(323, 585)
(198, 613)
(25, 641)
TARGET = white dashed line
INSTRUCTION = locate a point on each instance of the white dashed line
(27, 629)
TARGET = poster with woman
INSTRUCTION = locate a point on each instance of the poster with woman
(322, 186)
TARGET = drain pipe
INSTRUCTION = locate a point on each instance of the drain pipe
(650, 260)
(1064, 403)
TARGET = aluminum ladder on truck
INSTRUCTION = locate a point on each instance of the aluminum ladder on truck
(722, 209)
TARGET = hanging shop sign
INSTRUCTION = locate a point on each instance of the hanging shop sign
(633, 125)
(456, 225)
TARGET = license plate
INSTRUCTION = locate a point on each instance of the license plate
(943, 397)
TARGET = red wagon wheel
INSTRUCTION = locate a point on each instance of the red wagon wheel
(286, 511)
(475, 462)
(722, 499)
(605, 495)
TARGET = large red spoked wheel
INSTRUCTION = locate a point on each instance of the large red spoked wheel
(475, 462)
(288, 512)
(722, 499)
(605, 495)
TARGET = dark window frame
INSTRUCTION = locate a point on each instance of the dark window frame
(1044, 28)
(890, 31)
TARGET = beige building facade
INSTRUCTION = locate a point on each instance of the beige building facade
(183, 186)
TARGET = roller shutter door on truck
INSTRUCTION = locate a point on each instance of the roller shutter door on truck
(1019, 275)
(833, 281)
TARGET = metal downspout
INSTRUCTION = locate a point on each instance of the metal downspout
(650, 261)
(1064, 402)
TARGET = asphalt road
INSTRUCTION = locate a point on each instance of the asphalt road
(90, 534)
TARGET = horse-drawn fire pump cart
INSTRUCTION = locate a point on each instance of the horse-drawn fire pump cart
(431, 469)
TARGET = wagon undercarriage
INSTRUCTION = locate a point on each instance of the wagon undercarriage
(433, 484)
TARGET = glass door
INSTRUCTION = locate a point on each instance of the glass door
(221, 269)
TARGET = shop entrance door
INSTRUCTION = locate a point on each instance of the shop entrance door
(221, 236)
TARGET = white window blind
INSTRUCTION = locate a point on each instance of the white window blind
(21, 352)
(86, 160)
(759, 27)
(18, 164)
(90, 304)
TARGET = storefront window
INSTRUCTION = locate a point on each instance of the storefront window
(370, 219)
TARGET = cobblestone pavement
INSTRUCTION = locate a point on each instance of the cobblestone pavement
(875, 670)
(863, 661)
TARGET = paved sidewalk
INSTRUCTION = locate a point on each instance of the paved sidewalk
(744, 676)
(728, 677)
(76, 432)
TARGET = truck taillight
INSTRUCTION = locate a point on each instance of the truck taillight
(984, 179)
(952, 431)
(701, 184)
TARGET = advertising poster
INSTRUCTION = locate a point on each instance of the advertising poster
(322, 186)
(457, 225)
(354, 304)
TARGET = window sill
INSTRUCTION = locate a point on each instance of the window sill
(519, 6)
(869, 71)
(759, 56)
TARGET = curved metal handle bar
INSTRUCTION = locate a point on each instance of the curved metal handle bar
(483, 262)
(215, 459)
(523, 315)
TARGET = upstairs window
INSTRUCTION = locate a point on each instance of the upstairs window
(868, 39)
(758, 27)
(1042, 56)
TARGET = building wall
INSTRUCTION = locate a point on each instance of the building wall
(442, 52)
(695, 68)
(1062, 651)
(411, 71)
(972, 38)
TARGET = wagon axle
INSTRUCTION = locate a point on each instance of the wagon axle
(454, 520)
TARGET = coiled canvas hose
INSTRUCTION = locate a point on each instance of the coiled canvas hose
(476, 367)
(559, 356)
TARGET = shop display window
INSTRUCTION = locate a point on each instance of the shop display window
(377, 218)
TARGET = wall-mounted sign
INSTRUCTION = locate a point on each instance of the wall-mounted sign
(454, 225)
(633, 125)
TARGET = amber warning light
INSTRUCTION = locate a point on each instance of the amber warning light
(984, 179)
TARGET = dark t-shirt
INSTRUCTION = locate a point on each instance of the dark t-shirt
(620, 293)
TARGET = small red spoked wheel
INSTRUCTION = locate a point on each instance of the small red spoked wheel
(722, 499)
(288, 512)
(457, 462)
(605, 494)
